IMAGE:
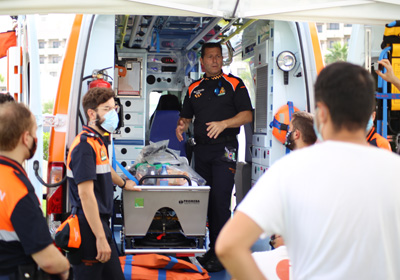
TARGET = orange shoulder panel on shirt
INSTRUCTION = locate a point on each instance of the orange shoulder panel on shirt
(382, 142)
(193, 86)
(233, 81)
(12, 190)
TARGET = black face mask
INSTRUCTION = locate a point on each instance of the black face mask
(32, 149)
(289, 143)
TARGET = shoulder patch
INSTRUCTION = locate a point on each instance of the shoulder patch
(193, 86)
(232, 80)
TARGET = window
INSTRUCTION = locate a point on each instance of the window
(348, 25)
(56, 44)
(333, 26)
(41, 60)
(55, 59)
(42, 44)
(53, 74)
(319, 28)
(331, 43)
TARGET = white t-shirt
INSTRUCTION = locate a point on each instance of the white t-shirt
(273, 264)
(337, 206)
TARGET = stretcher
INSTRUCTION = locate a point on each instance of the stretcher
(165, 219)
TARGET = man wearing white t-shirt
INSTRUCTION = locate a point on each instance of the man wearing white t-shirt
(338, 199)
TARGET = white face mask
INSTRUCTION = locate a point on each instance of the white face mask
(370, 124)
(111, 121)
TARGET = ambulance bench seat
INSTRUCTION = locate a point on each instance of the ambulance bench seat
(163, 128)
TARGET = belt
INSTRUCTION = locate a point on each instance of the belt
(102, 216)
(219, 140)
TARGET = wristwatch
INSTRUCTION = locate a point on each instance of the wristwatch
(123, 186)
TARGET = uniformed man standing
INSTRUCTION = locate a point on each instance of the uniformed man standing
(220, 104)
(91, 181)
(25, 240)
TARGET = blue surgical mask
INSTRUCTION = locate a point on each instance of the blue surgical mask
(317, 132)
(111, 121)
(370, 124)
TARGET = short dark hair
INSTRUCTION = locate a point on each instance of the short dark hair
(209, 46)
(94, 97)
(6, 97)
(304, 122)
(348, 91)
(15, 119)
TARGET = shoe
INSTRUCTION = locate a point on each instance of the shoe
(205, 258)
(213, 265)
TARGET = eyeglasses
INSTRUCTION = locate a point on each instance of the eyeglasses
(217, 91)
(108, 108)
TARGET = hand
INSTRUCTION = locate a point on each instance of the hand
(389, 76)
(103, 250)
(180, 128)
(131, 186)
(215, 128)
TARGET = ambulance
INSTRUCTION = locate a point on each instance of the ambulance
(144, 57)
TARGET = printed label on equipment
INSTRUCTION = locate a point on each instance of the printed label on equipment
(139, 202)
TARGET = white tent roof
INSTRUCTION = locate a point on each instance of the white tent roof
(347, 11)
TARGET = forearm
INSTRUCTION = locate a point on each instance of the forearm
(241, 265)
(51, 260)
(240, 119)
(396, 83)
(233, 247)
(91, 208)
(116, 179)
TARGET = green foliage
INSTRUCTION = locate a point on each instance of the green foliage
(1, 78)
(47, 107)
(46, 137)
(337, 53)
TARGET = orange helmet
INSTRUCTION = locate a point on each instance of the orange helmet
(282, 118)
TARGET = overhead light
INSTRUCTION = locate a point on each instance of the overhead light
(286, 62)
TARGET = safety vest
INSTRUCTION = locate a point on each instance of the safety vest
(159, 267)
(377, 140)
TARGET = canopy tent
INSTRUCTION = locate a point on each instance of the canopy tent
(347, 11)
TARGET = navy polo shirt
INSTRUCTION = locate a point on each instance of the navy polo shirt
(215, 99)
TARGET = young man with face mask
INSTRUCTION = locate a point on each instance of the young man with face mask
(329, 201)
(301, 132)
(91, 179)
(25, 241)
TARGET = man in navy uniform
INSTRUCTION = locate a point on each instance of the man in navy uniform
(220, 104)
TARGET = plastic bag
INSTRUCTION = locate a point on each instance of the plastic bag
(154, 155)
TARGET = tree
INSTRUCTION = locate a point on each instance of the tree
(337, 53)
(46, 139)
(47, 107)
(1, 78)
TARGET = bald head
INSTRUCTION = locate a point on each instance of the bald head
(15, 119)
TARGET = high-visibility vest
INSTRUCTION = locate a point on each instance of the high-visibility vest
(159, 267)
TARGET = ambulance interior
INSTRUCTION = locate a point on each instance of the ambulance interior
(155, 57)
(145, 57)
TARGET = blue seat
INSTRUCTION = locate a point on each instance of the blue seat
(163, 128)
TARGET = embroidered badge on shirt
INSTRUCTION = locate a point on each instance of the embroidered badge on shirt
(221, 91)
(198, 93)
(103, 155)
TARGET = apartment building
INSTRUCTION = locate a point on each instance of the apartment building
(330, 33)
